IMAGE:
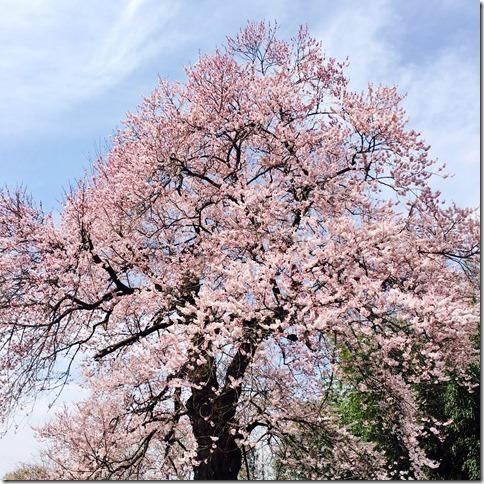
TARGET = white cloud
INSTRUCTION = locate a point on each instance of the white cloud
(443, 103)
(442, 94)
(56, 54)
(356, 31)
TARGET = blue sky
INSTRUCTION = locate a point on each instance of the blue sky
(69, 72)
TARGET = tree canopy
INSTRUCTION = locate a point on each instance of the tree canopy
(255, 235)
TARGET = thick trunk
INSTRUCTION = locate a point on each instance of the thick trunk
(211, 409)
(212, 417)
(223, 462)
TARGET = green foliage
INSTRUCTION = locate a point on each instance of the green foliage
(459, 452)
(457, 449)
(361, 414)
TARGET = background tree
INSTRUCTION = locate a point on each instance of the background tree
(251, 235)
(458, 447)
(27, 472)
(452, 424)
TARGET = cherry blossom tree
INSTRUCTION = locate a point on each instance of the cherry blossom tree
(254, 235)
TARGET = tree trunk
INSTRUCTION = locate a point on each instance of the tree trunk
(211, 409)
(224, 462)
(211, 416)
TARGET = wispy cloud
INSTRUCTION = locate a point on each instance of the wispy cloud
(55, 54)
(443, 103)
(442, 89)
(357, 31)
